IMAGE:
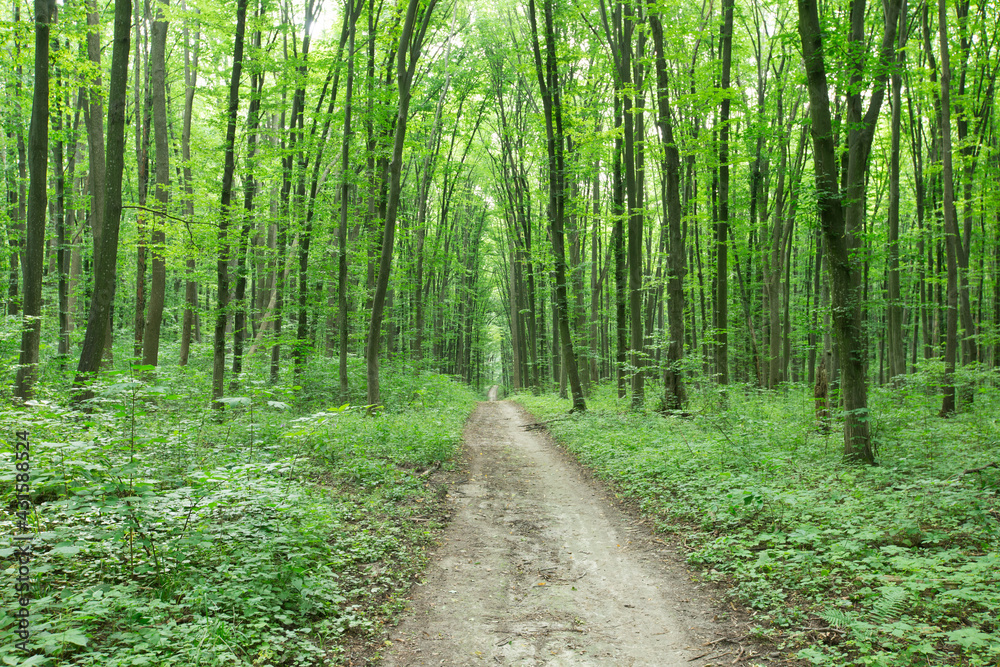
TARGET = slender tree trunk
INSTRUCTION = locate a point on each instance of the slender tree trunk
(675, 394)
(840, 225)
(143, 127)
(65, 223)
(618, 244)
(34, 248)
(222, 266)
(158, 282)
(16, 179)
(549, 84)
(897, 345)
(951, 343)
(344, 192)
(722, 222)
(106, 262)
(240, 329)
(190, 286)
(408, 52)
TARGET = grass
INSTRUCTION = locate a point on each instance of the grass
(278, 534)
(896, 564)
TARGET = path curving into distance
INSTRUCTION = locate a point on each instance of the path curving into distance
(538, 568)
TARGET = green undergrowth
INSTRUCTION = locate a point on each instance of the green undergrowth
(275, 534)
(896, 564)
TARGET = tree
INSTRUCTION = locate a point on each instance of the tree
(225, 214)
(549, 84)
(951, 240)
(351, 16)
(674, 392)
(38, 157)
(106, 261)
(190, 286)
(415, 24)
(841, 211)
(158, 283)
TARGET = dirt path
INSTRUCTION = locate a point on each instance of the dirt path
(537, 568)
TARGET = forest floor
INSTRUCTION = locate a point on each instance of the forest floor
(540, 566)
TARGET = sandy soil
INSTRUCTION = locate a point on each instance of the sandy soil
(538, 568)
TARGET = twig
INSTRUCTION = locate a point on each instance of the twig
(537, 426)
(167, 215)
(826, 629)
(980, 468)
(427, 472)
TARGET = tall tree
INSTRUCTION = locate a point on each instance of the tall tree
(415, 23)
(34, 248)
(106, 262)
(158, 239)
(894, 314)
(951, 238)
(722, 220)
(550, 86)
(352, 13)
(674, 392)
(842, 210)
(191, 56)
(225, 214)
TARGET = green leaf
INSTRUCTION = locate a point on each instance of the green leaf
(969, 637)
(234, 400)
(65, 550)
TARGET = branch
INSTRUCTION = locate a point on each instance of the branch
(167, 215)
(980, 468)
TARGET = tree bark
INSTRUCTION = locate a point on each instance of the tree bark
(897, 345)
(345, 152)
(190, 286)
(34, 247)
(222, 265)
(674, 392)
(722, 221)
(408, 52)
(240, 319)
(951, 342)
(841, 214)
(549, 84)
(158, 278)
(106, 262)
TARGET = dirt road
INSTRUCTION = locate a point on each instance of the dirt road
(537, 568)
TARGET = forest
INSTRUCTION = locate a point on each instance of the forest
(261, 257)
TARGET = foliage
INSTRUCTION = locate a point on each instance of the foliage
(890, 565)
(274, 535)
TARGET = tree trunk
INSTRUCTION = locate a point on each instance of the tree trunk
(190, 286)
(722, 222)
(158, 282)
(840, 225)
(951, 343)
(549, 84)
(344, 191)
(34, 248)
(222, 265)
(674, 392)
(897, 345)
(618, 245)
(143, 127)
(408, 52)
(240, 319)
(106, 262)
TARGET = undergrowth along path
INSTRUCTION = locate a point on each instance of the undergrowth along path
(538, 568)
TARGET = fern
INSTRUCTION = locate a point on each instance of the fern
(890, 605)
(839, 618)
